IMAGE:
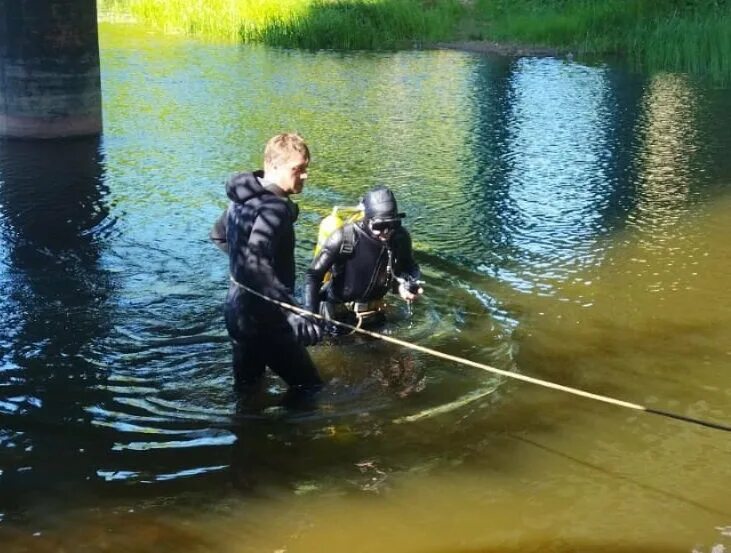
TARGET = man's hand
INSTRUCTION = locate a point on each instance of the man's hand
(307, 331)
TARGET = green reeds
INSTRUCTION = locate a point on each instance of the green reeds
(365, 24)
(700, 45)
(680, 35)
(340, 24)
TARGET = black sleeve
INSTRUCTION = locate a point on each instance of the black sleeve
(320, 265)
(270, 223)
(404, 264)
(218, 232)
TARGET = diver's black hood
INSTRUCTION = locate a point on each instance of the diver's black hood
(380, 203)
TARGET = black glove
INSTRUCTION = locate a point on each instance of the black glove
(307, 332)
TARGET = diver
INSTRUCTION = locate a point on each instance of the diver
(360, 262)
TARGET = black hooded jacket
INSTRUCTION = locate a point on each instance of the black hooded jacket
(257, 231)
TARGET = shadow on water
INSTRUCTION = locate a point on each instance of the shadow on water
(535, 115)
(494, 214)
(55, 305)
(565, 156)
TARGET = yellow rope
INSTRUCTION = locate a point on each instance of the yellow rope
(488, 368)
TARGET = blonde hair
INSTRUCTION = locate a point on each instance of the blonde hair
(282, 146)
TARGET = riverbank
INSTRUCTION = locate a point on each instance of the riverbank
(510, 49)
(690, 36)
(310, 24)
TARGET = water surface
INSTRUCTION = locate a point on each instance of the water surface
(571, 222)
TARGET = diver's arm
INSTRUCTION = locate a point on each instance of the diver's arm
(320, 265)
(404, 265)
(218, 232)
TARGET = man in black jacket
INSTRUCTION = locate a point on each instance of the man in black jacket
(257, 232)
(366, 260)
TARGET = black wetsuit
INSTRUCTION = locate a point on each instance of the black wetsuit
(363, 275)
(257, 232)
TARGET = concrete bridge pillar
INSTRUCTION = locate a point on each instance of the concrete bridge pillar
(49, 69)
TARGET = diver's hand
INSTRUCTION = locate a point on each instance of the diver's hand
(409, 289)
(307, 331)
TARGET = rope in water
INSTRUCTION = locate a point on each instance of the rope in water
(488, 368)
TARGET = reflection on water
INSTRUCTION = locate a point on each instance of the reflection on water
(55, 306)
(571, 222)
(666, 162)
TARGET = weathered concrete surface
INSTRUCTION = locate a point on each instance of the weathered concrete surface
(49, 69)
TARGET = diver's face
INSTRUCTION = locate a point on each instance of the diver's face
(290, 174)
(382, 230)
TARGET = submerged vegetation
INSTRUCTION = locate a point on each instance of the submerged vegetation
(685, 35)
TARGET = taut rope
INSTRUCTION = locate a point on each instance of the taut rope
(488, 368)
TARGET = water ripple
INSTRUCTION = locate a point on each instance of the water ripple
(525, 182)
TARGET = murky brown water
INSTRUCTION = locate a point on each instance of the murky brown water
(572, 223)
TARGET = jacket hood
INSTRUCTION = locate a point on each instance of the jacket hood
(241, 187)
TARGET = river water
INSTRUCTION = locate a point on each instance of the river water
(572, 225)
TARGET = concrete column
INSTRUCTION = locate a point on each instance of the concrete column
(49, 69)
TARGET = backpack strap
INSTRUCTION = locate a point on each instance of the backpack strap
(348, 245)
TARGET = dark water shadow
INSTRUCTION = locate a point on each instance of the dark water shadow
(55, 306)
(497, 218)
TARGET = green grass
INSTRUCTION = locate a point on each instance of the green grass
(681, 35)
(364, 24)
(340, 24)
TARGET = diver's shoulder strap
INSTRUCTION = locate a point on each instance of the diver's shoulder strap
(348, 245)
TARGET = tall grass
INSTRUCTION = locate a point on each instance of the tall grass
(696, 45)
(342, 24)
(684, 35)
(365, 24)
